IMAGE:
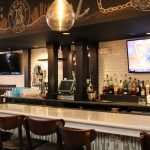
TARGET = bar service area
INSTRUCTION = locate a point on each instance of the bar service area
(84, 64)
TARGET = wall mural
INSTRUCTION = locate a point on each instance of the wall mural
(17, 16)
(20, 16)
(142, 5)
(39, 76)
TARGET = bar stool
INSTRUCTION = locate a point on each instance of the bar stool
(76, 139)
(145, 141)
(7, 124)
(42, 128)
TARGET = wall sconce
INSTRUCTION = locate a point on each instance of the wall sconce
(89, 54)
(60, 16)
(74, 59)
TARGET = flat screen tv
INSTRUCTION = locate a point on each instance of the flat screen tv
(138, 52)
(10, 64)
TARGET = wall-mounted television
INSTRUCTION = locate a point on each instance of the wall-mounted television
(138, 52)
(10, 63)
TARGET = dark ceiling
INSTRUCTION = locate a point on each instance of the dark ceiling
(114, 30)
(126, 24)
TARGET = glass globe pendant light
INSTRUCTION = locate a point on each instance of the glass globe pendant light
(60, 16)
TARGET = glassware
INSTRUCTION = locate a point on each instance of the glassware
(141, 101)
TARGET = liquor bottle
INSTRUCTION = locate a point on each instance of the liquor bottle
(138, 88)
(147, 86)
(107, 84)
(130, 86)
(116, 87)
(104, 87)
(134, 86)
(90, 88)
(107, 78)
(143, 91)
(111, 87)
(120, 90)
(125, 87)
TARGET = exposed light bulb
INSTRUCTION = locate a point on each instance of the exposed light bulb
(74, 58)
(60, 16)
(89, 55)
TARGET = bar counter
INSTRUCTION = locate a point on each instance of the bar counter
(116, 123)
(111, 127)
(125, 106)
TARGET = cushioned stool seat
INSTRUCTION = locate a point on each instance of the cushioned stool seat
(43, 128)
(145, 141)
(76, 139)
(7, 140)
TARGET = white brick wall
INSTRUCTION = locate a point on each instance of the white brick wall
(37, 54)
(60, 67)
(17, 80)
(41, 53)
(113, 60)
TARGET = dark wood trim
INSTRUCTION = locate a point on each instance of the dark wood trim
(93, 64)
(81, 70)
(27, 67)
(67, 65)
(52, 49)
(128, 103)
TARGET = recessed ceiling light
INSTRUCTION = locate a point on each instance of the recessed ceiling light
(131, 33)
(148, 33)
(66, 33)
(35, 46)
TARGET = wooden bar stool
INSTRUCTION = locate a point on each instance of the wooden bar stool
(42, 128)
(7, 124)
(145, 141)
(76, 139)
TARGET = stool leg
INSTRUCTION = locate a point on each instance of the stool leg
(29, 140)
(20, 137)
(1, 144)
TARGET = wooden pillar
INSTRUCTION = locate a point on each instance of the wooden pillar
(81, 71)
(52, 49)
(27, 67)
(93, 64)
(67, 61)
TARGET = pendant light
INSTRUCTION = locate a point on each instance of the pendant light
(60, 16)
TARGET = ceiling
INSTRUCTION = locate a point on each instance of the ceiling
(123, 24)
(114, 30)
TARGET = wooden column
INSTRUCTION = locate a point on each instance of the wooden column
(27, 67)
(81, 71)
(52, 49)
(93, 64)
(67, 61)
